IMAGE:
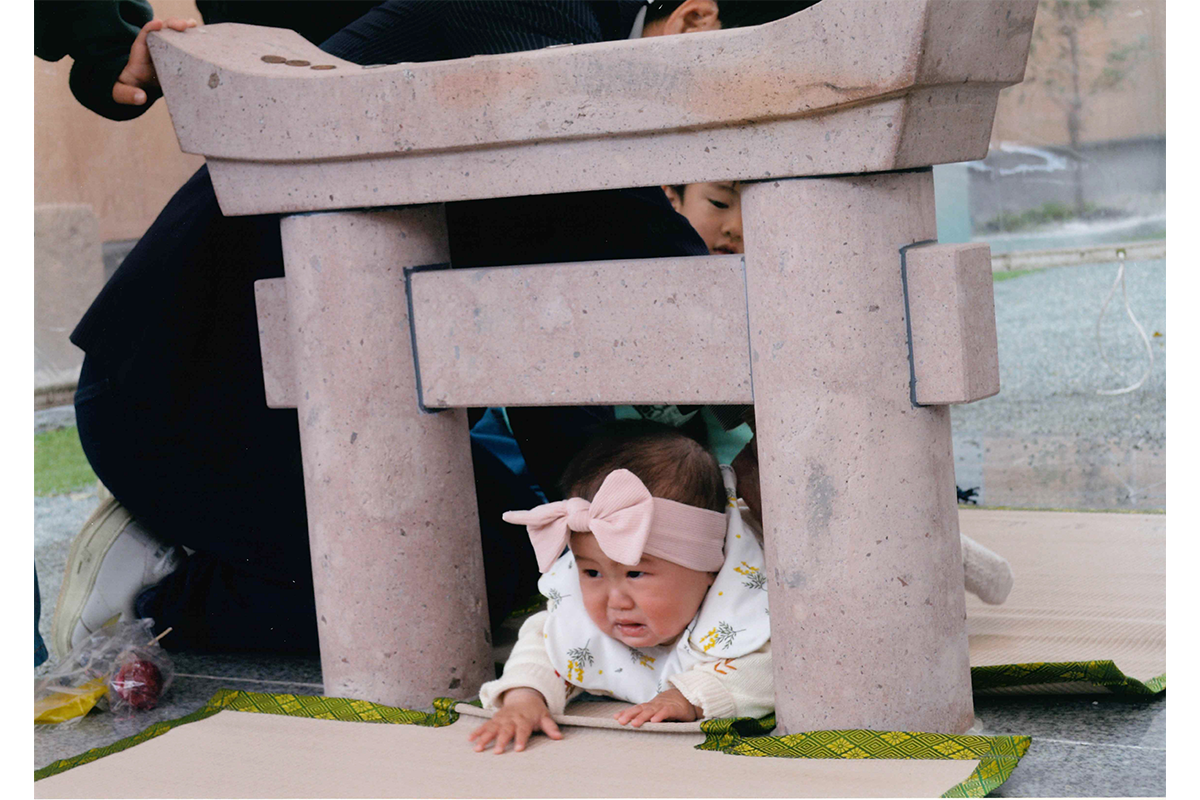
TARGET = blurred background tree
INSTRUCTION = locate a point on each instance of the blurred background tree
(1068, 76)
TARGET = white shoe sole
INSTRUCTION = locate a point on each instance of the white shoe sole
(83, 565)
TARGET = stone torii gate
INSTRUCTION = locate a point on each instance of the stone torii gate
(845, 324)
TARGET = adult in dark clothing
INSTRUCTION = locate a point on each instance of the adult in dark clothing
(170, 405)
(99, 34)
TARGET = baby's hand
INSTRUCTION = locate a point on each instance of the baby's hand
(522, 711)
(670, 705)
(139, 73)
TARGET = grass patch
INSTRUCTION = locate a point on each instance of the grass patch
(1009, 274)
(1146, 237)
(1047, 214)
(59, 465)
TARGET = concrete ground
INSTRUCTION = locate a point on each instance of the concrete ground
(1047, 441)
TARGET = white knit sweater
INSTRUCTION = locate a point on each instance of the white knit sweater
(734, 687)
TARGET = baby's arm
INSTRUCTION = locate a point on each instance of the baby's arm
(522, 711)
(526, 695)
(731, 687)
(529, 667)
(668, 706)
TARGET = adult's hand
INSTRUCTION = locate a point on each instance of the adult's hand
(138, 75)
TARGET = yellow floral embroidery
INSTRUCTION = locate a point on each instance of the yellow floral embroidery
(754, 577)
(723, 634)
(641, 658)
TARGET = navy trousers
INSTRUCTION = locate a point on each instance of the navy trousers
(171, 408)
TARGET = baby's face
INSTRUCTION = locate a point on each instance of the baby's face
(642, 606)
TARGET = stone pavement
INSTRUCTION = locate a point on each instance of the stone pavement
(1047, 441)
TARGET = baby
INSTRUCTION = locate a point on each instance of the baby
(659, 600)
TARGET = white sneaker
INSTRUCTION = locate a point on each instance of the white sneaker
(111, 561)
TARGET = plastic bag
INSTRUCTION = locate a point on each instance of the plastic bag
(120, 665)
(142, 674)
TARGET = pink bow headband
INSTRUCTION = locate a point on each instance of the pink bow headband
(627, 522)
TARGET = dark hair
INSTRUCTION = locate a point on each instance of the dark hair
(673, 465)
(735, 13)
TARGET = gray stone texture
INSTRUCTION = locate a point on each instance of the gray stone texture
(952, 319)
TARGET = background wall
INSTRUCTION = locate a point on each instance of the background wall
(1120, 63)
(1078, 149)
(126, 171)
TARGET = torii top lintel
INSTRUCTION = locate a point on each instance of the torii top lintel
(843, 86)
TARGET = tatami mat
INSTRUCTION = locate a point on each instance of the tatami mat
(1089, 587)
(234, 754)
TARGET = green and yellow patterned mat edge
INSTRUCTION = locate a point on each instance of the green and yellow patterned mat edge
(997, 755)
(292, 705)
(1104, 675)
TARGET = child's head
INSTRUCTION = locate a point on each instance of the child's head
(671, 464)
(714, 210)
(692, 16)
(650, 602)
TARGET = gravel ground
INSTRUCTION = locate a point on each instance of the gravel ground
(1050, 368)
(1048, 439)
(56, 521)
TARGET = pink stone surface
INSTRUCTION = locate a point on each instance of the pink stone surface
(978, 40)
(861, 521)
(833, 54)
(669, 330)
(275, 342)
(662, 331)
(955, 357)
(843, 86)
(889, 134)
(397, 564)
